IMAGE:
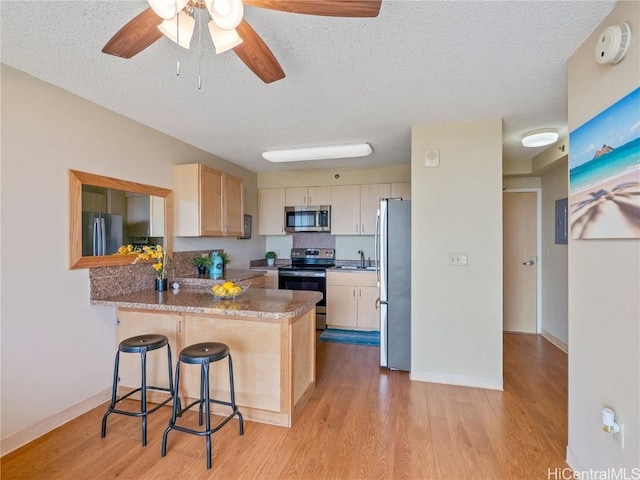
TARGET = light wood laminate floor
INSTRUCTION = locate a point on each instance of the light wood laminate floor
(362, 422)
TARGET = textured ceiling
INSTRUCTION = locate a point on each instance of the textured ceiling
(347, 80)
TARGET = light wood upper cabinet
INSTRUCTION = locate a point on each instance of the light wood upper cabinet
(370, 196)
(271, 211)
(208, 202)
(354, 208)
(401, 190)
(345, 210)
(233, 206)
(307, 196)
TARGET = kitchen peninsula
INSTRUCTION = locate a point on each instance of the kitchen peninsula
(270, 333)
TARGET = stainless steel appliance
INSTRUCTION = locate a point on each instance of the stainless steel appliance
(308, 271)
(307, 219)
(101, 233)
(393, 247)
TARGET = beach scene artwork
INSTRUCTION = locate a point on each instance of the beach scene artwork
(604, 173)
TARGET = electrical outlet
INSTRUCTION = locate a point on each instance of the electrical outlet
(458, 259)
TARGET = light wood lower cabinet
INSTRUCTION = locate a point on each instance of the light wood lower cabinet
(132, 323)
(352, 300)
(274, 360)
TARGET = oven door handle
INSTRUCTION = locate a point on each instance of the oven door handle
(301, 273)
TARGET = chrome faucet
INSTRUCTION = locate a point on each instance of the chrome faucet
(361, 258)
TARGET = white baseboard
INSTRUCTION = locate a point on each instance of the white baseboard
(573, 461)
(27, 435)
(490, 383)
(556, 341)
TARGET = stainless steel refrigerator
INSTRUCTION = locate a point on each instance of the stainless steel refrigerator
(393, 245)
(101, 233)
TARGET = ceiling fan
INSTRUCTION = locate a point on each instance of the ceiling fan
(175, 19)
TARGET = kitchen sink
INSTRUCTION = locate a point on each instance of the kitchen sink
(355, 267)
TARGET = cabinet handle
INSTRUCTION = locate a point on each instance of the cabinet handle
(362, 228)
(357, 227)
(360, 293)
(179, 326)
(354, 292)
(310, 200)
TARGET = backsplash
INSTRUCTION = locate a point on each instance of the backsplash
(314, 240)
(108, 281)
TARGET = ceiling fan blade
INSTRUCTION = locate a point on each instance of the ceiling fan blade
(327, 8)
(135, 36)
(256, 55)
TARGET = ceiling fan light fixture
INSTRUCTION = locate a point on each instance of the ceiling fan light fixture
(223, 40)
(167, 9)
(187, 25)
(318, 153)
(227, 14)
(540, 138)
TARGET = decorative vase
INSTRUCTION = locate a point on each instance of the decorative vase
(271, 261)
(202, 270)
(162, 284)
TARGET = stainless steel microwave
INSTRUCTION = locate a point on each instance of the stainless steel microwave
(307, 219)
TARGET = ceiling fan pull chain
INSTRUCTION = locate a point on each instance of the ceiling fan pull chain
(177, 43)
(199, 48)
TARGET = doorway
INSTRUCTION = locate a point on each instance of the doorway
(521, 217)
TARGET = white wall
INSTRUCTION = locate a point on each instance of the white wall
(554, 260)
(57, 350)
(456, 312)
(604, 281)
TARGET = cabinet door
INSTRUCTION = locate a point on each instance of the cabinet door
(368, 318)
(271, 279)
(345, 210)
(370, 196)
(233, 202)
(156, 223)
(319, 196)
(342, 306)
(296, 196)
(133, 323)
(401, 190)
(211, 202)
(271, 211)
(138, 216)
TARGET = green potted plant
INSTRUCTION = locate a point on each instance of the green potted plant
(271, 258)
(202, 263)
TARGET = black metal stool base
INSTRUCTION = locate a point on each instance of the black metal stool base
(203, 354)
(140, 344)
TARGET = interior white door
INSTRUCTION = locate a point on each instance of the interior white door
(519, 261)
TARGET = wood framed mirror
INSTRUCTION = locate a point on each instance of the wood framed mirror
(89, 192)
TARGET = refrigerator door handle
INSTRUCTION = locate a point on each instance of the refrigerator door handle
(94, 236)
(375, 248)
(383, 334)
(103, 238)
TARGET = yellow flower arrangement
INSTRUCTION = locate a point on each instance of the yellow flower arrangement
(156, 253)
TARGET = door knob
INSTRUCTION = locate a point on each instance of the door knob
(528, 263)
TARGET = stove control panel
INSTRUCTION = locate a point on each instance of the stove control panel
(327, 253)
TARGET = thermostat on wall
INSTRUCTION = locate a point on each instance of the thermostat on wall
(432, 158)
(613, 43)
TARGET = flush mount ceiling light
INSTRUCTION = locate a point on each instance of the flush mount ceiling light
(540, 138)
(318, 153)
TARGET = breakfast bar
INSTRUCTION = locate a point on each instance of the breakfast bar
(270, 333)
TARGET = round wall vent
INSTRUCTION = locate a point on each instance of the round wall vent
(613, 43)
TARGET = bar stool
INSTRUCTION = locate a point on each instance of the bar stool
(203, 354)
(140, 344)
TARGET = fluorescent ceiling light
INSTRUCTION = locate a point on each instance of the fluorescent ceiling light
(540, 138)
(318, 153)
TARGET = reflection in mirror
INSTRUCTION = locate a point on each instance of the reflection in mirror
(105, 213)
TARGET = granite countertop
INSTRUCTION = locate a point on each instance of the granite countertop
(230, 274)
(254, 303)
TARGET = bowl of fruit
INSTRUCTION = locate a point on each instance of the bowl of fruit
(229, 289)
